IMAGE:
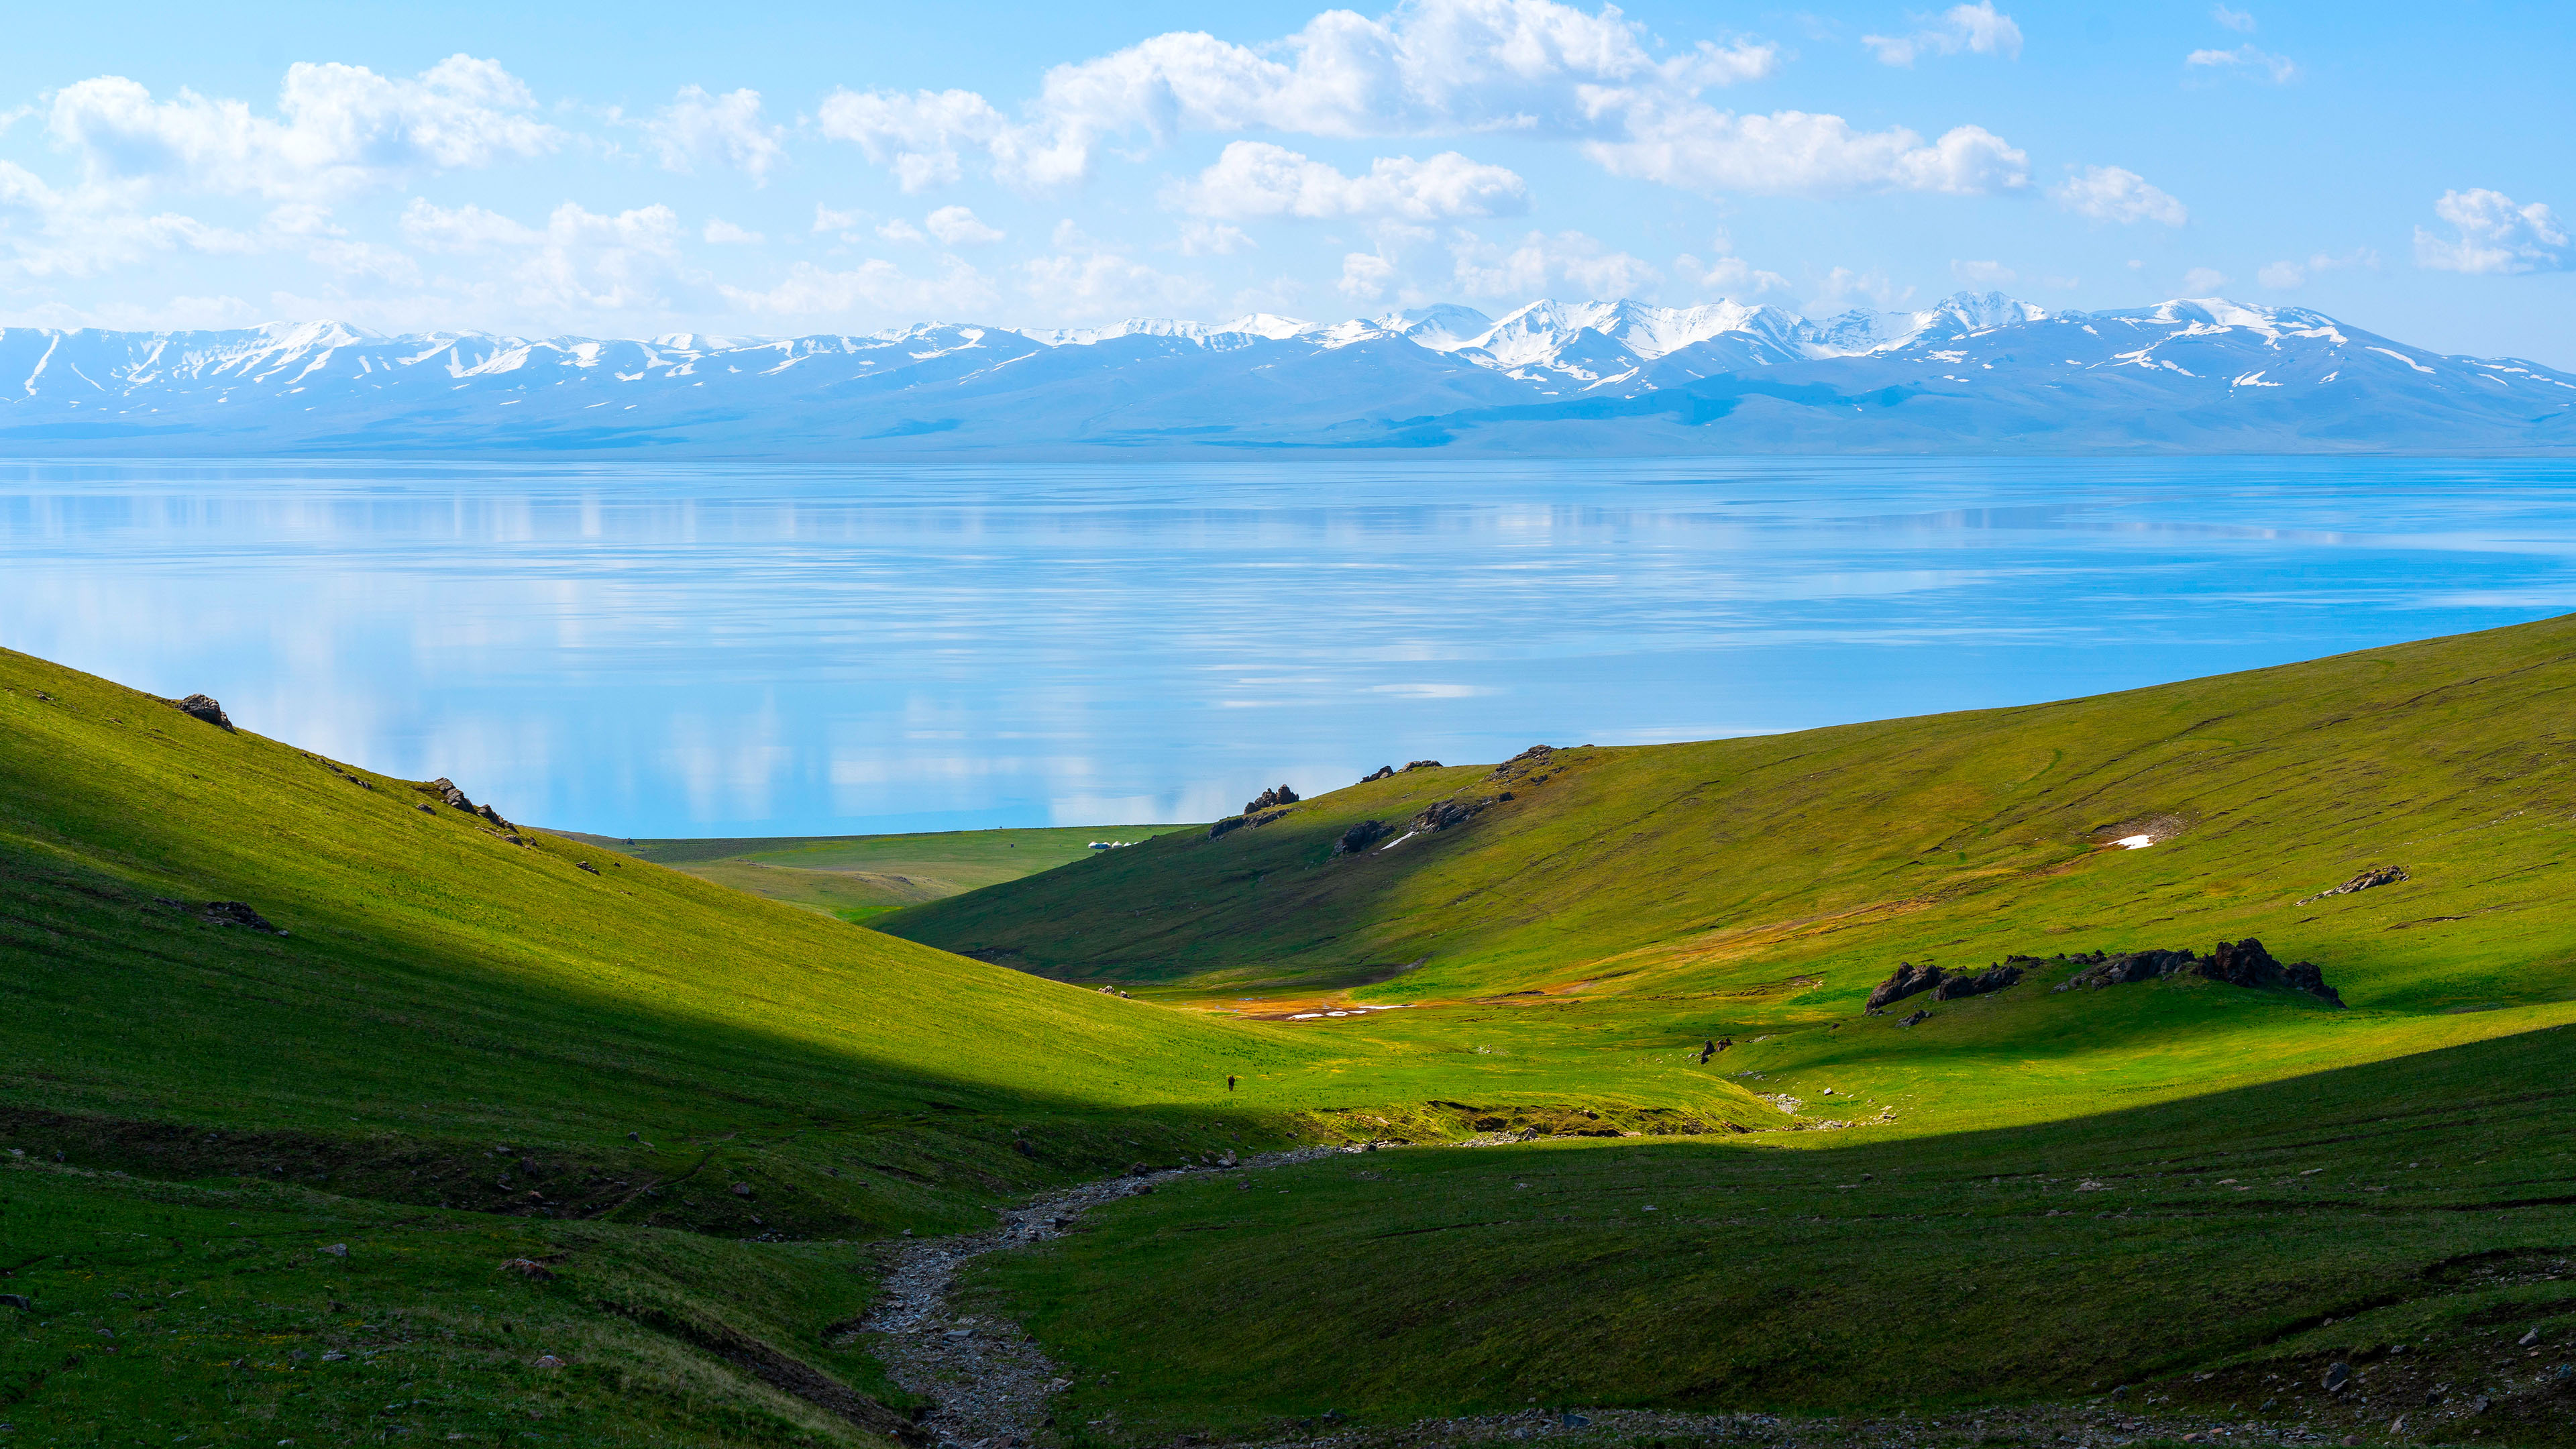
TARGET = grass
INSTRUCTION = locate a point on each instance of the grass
(2219, 1253)
(703, 1104)
(860, 877)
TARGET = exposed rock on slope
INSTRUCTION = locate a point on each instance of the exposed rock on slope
(2377, 875)
(201, 706)
(2233, 963)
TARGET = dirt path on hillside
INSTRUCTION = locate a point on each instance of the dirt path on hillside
(989, 1383)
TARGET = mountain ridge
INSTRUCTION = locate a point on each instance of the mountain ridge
(1976, 372)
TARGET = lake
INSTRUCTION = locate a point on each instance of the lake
(709, 649)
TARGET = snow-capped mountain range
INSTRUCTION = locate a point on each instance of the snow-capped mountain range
(1977, 373)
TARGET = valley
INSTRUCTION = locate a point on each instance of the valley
(524, 1132)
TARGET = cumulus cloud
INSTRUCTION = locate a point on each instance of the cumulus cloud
(721, 232)
(957, 226)
(1257, 179)
(1366, 276)
(1083, 281)
(699, 127)
(874, 290)
(1699, 148)
(1727, 274)
(1983, 274)
(1530, 67)
(2496, 236)
(1214, 239)
(89, 229)
(2242, 22)
(1842, 287)
(580, 260)
(337, 128)
(900, 230)
(2246, 59)
(2115, 193)
(1530, 267)
(2203, 281)
(1977, 28)
(2286, 275)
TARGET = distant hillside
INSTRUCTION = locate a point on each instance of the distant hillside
(1670, 872)
(1975, 374)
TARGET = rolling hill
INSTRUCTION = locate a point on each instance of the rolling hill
(336, 1105)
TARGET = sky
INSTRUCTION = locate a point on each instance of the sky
(650, 168)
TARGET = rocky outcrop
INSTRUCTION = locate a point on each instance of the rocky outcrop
(1233, 823)
(1448, 814)
(201, 706)
(1909, 979)
(1412, 765)
(1384, 772)
(1270, 799)
(1993, 978)
(238, 913)
(2233, 963)
(2377, 875)
(1361, 836)
(445, 789)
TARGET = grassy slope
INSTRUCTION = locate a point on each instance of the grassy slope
(860, 877)
(1757, 889)
(469, 1027)
(1760, 887)
(2251, 1237)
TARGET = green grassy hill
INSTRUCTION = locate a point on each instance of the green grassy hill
(693, 1111)
(466, 1042)
(861, 877)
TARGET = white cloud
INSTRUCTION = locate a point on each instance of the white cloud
(1366, 276)
(2281, 69)
(2242, 22)
(2115, 193)
(957, 226)
(2203, 281)
(2285, 275)
(1978, 28)
(1700, 148)
(1528, 268)
(699, 127)
(1531, 67)
(1843, 286)
(579, 261)
(900, 230)
(339, 127)
(1727, 274)
(826, 219)
(876, 290)
(721, 232)
(93, 228)
(1983, 274)
(2496, 237)
(1214, 239)
(1082, 285)
(1258, 179)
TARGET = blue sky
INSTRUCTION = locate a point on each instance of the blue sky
(642, 169)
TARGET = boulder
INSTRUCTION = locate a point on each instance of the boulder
(2232, 963)
(1449, 813)
(1412, 765)
(2377, 875)
(1361, 836)
(1269, 799)
(200, 706)
(1917, 1019)
(237, 913)
(445, 789)
(1993, 978)
(1906, 980)
(1384, 772)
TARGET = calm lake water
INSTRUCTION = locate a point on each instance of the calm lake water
(675, 650)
